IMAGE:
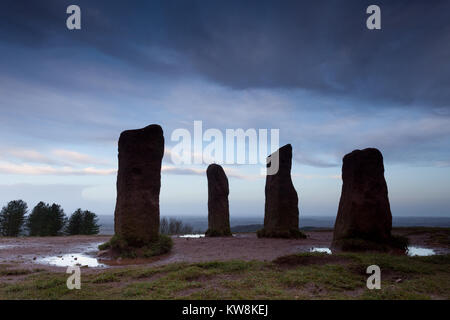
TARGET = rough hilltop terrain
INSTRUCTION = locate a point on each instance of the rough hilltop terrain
(230, 267)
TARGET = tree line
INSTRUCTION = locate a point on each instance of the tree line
(174, 226)
(45, 220)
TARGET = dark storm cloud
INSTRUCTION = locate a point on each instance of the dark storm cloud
(321, 46)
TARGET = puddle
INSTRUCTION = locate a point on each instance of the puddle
(201, 235)
(74, 259)
(412, 251)
(326, 250)
(83, 255)
(192, 236)
(418, 251)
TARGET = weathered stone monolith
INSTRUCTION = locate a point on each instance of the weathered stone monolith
(364, 212)
(218, 210)
(281, 208)
(136, 217)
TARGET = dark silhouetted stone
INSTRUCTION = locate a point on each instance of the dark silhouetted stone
(218, 210)
(281, 209)
(364, 212)
(136, 218)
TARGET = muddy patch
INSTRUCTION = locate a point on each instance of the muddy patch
(299, 260)
(113, 261)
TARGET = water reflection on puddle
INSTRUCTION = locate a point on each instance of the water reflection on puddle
(75, 259)
(80, 257)
(412, 251)
(418, 251)
(326, 250)
(199, 235)
(192, 236)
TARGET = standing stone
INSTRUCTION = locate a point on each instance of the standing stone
(364, 211)
(281, 209)
(136, 218)
(218, 210)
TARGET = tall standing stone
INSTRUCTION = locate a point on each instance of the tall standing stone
(136, 217)
(218, 209)
(364, 211)
(281, 208)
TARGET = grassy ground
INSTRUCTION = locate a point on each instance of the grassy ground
(303, 276)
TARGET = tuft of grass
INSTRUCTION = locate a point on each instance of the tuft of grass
(104, 246)
(106, 277)
(227, 266)
(119, 246)
(162, 246)
(115, 243)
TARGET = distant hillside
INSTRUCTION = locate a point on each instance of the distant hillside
(246, 228)
(256, 227)
(252, 224)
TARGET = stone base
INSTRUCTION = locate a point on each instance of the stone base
(118, 247)
(278, 233)
(218, 233)
(394, 243)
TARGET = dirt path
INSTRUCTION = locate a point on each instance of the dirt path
(245, 246)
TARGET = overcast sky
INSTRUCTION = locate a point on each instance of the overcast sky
(309, 68)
